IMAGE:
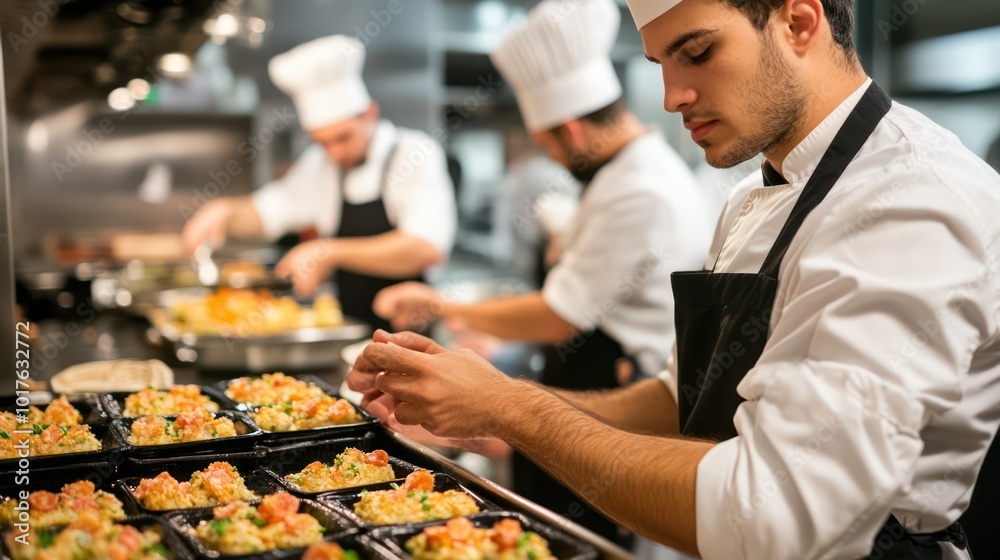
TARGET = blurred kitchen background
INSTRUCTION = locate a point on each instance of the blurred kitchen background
(123, 117)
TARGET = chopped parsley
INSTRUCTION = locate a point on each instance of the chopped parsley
(288, 410)
(363, 492)
(220, 525)
(350, 555)
(394, 486)
(410, 495)
(157, 549)
(426, 507)
(4, 434)
(532, 555)
(524, 538)
(36, 429)
(45, 538)
(352, 471)
(64, 429)
(259, 522)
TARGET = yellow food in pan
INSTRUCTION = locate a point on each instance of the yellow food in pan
(414, 502)
(90, 537)
(305, 414)
(272, 388)
(244, 312)
(179, 399)
(217, 485)
(46, 509)
(351, 468)
(196, 425)
(239, 528)
(459, 539)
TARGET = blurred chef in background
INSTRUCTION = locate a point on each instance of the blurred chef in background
(640, 217)
(379, 194)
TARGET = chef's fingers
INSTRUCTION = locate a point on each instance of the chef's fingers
(382, 407)
(393, 358)
(408, 414)
(402, 388)
(408, 339)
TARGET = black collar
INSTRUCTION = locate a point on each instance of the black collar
(771, 176)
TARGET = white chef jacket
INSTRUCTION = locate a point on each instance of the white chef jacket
(640, 218)
(879, 388)
(419, 197)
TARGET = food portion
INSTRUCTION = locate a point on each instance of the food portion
(59, 412)
(239, 528)
(90, 537)
(45, 439)
(46, 509)
(179, 399)
(217, 485)
(245, 312)
(328, 551)
(272, 388)
(306, 414)
(459, 539)
(351, 468)
(197, 425)
(414, 502)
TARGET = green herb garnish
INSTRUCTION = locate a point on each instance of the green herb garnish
(524, 538)
(426, 507)
(532, 555)
(394, 486)
(220, 525)
(36, 429)
(157, 549)
(45, 538)
(350, 555)
(4, 434)
(259, 522)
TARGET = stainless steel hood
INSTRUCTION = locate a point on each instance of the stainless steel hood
(63, 51)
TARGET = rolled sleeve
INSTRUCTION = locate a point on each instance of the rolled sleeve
(870, 341)
(293, 202)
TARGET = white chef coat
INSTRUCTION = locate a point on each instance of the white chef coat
(879, 388)
(640, 218)
(418, 195)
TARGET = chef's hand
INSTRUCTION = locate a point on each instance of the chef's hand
(383, 407)
(307, 264)
(447, 392)
(363, 374)
(409, 305)
(207, 226)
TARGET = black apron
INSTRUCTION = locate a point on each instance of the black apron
(722, 324)
(588, 362)
(357, 291)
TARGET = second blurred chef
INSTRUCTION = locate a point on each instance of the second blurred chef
(380, 195)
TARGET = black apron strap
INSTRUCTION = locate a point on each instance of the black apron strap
(846, 144)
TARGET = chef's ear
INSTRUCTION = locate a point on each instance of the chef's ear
(801, 22)
(572, 134)
(371, 113)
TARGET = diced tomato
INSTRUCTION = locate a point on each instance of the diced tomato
(418, 480)
(277, 507)
(377, 458)
(43, 502)
(323, 551)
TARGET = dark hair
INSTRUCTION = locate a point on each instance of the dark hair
(840, 14)
(604, 116)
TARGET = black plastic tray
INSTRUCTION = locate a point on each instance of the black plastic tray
(278, 458)
(561, 545)
(114, 403)
(293, 458)
(86, 403)
(366, 547)
(258, 483)
(343, 500)
(323, 385)
(171, 540)
(148, 467)
(53, 482)
(102, 431)
(283, 438)
(336, 526)
(241, 442)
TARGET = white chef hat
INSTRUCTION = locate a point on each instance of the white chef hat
(323, 78)
(645, 11)
(558, 61)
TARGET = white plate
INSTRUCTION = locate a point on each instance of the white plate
(351, 352)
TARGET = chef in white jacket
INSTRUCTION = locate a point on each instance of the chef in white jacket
(379, 195)
(640, 218)
(837, 381)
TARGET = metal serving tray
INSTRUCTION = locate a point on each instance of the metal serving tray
(294, 350)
